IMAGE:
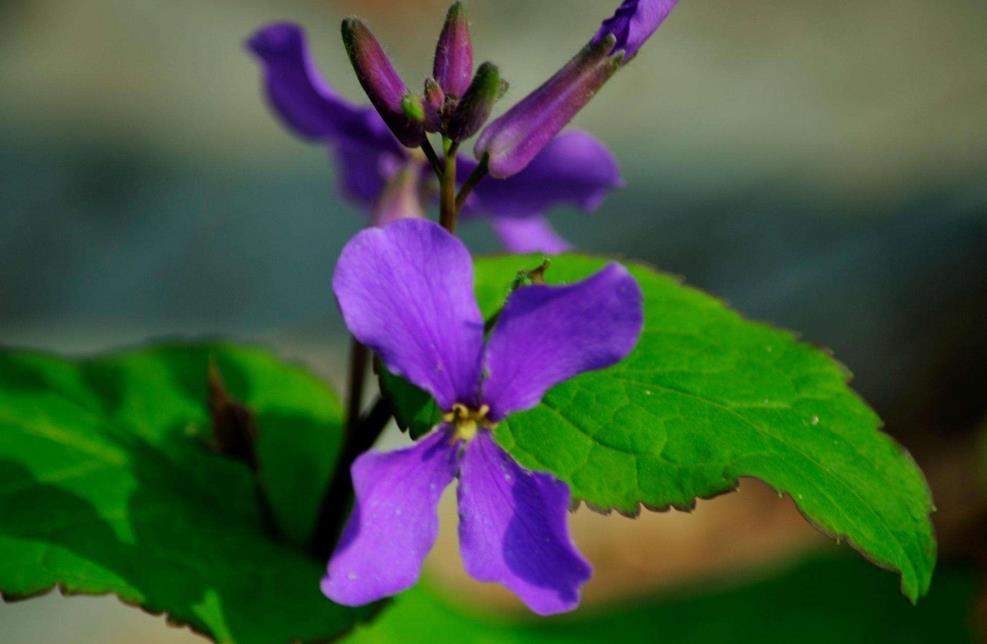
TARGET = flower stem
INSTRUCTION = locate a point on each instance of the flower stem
(339, 495)
(359, 435)
(433, 158)
(475, 177)
(448, 212)
(356, 381)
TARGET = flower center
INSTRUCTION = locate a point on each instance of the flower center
(467, 422)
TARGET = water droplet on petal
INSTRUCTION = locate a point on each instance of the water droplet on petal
(352, 576)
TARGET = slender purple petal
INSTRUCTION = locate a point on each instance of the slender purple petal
(512, 529)
(303, 100)
(548, 334)
(529, 235)
(574, 169)
(406, 291)
(394, 522)
(363, 172)
(634, 22)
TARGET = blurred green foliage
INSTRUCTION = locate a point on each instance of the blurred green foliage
(823, 600)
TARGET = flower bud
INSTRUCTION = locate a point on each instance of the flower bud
(385, 88)
(474, 108)
(435, 100)
(513, 140)
(453, 67)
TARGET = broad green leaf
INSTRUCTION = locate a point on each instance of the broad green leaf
(707, 398)
(108, 485)
(822, 600)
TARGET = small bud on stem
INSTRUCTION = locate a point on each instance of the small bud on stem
(475, 106)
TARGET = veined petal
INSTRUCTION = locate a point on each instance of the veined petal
(634, 22)
(574, 169)
(512, 529)
(303, 100)
(529, 235)
(406, 291)
(394, 522)
(548, 334)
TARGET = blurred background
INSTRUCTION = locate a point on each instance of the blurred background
(821, 165)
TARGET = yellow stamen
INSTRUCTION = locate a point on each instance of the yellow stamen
(467, 422)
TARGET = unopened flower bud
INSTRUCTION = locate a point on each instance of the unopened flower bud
(385, 88)
(453, 67)
(474, 108)
(513, 140)
(435, 100)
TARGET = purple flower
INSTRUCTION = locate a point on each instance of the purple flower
(512, 141)
(406, 291)
(394, 182)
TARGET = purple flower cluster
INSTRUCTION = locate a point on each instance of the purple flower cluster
(405, 288)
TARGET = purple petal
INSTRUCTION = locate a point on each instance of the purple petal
(364, 172)
(512, 529)
(529, 235)
(303, 100)
(634, 22)
(548, 334)
(394, 522)
(406, 291)
(401, 198)
(574, 169)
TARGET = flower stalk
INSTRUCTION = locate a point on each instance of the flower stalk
(448, 211)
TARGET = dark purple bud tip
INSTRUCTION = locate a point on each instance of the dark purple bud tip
(454, 53)
(435, 100)
(513, 140)
(474, 108)
(385, 88)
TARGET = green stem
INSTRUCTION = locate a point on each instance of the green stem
(478, 174)
(356, 382)
(448, 212)
(433, 158)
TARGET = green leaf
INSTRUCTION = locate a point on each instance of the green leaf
(108, 484)
(818, 601)
(707, 398)
(415, 411)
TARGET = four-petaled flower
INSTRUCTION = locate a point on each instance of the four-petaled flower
(406, 290)
(394, 182)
